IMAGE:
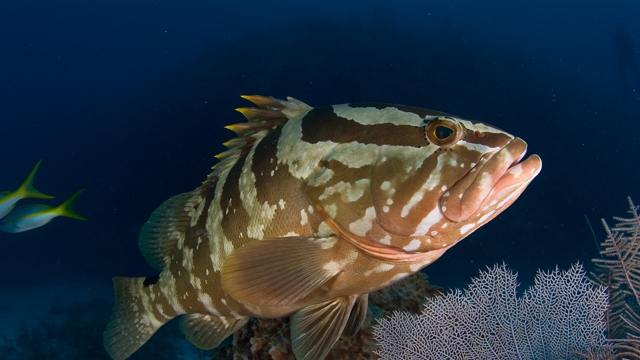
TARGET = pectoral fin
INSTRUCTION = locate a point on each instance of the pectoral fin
(315, 328)
(279, 271)
(208, 331)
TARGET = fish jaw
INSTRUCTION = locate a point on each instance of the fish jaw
(501, 176)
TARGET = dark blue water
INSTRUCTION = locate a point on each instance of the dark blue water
(128, 99)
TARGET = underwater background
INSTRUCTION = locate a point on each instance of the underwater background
(128, 99)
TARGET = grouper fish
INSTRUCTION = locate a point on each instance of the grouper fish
(309, 211)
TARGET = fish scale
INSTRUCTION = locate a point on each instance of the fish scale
(307, 212)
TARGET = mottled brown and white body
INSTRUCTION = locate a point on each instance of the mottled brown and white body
(308, 212)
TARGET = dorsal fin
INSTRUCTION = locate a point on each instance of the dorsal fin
(269, 114)
(160, 234)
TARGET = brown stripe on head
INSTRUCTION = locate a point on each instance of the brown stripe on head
(483, 134)
(343, 192)
(323, 124)
(394, 181)
(409, 109)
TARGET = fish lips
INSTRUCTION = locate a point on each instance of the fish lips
(494, 182)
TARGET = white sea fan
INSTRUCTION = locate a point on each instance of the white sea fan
(560, 317)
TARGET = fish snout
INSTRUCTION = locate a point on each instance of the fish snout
(490, 181)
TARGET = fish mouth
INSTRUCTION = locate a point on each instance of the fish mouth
(495, 182)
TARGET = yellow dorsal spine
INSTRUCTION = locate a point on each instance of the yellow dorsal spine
(26, 190)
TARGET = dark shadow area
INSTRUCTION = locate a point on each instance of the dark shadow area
(74, 332)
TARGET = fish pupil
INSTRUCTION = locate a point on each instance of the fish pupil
(443, 132)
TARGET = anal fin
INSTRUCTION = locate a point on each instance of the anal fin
(316, 328)
(208, 331)
(357, 316)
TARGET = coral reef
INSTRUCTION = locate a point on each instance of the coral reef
(560, 317)
(618, 270)
(268, 339)
(568, 304)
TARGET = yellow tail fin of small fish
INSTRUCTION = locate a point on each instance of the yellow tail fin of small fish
(65, 209)
(26, 190)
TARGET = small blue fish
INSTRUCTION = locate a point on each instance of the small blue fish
(27, 217)
(8, 199)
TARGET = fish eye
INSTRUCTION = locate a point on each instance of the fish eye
(443, 132)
